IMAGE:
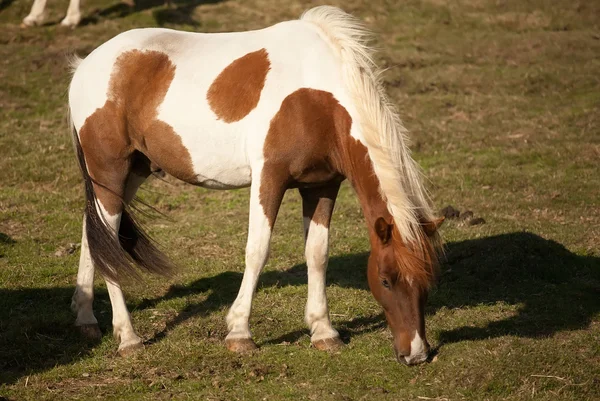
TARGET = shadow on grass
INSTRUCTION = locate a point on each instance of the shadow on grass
(6, 239)
(556, 290)
(166, 11)
(5, 3)
(37, 333)
(344, 271)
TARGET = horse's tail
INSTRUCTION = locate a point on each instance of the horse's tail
(116, 256)
(400, 178)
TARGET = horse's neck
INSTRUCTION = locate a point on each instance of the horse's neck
(360, 173)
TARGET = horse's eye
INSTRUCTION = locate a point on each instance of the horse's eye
(385, 283)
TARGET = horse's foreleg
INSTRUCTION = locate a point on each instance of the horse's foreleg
(73, 14)
(266, 194)
(317, 208)
(36, 15)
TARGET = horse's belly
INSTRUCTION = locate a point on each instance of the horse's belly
(219, 161)
(223, 177)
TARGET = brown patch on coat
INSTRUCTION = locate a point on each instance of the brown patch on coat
(236, 90)
(302, 146)
(127, 123)
(309, 145)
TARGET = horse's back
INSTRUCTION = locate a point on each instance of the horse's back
(210, 96)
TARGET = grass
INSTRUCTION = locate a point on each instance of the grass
(502, 99)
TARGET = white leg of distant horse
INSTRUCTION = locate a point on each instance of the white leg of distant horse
(317, 209)
(73, 14)
(36, 15)
(239, 338)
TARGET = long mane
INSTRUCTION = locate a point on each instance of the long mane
(400, 178)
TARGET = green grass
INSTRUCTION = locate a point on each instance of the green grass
(502, 99)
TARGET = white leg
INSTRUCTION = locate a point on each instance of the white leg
(83, 297)
(73, 14)
(317, 209)
(36, 15)
(317, 311)
(257, 251)
(122, 327)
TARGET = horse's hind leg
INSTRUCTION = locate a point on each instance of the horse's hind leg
(83, 298)
(36, 15)
(123, 330)
(317, 208)
(111, 182)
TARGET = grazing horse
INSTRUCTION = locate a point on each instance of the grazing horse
(295, 105)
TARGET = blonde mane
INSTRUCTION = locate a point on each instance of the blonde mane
(400, 178)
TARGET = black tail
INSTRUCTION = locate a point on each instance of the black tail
(115, 259)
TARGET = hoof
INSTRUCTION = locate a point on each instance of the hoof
(91, 332)
(71, 21)
(130, 349)
(32, 21)
(328, 344)
(241, 345)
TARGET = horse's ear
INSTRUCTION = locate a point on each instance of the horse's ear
(383, 230)
(430, 227)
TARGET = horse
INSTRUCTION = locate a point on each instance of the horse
(298, 105)
(36, 16)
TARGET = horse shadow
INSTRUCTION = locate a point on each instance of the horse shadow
(344, 271)
(165, 11)
(555, 290)
(5, 3)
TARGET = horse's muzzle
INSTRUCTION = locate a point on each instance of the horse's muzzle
(415, 359)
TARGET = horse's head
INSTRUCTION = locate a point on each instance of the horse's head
(399, 278)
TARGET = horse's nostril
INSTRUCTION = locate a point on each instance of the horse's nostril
(402, 359)
(400, 356)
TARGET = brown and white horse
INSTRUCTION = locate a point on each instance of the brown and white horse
(295, 105)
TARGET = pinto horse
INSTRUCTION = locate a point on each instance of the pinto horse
(295, 105)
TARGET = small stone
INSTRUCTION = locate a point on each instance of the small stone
(466, 215)
(450, 212)
(477, 221)
(72, 248)
(69, 249)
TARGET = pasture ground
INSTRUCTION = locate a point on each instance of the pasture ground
(503, 102)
